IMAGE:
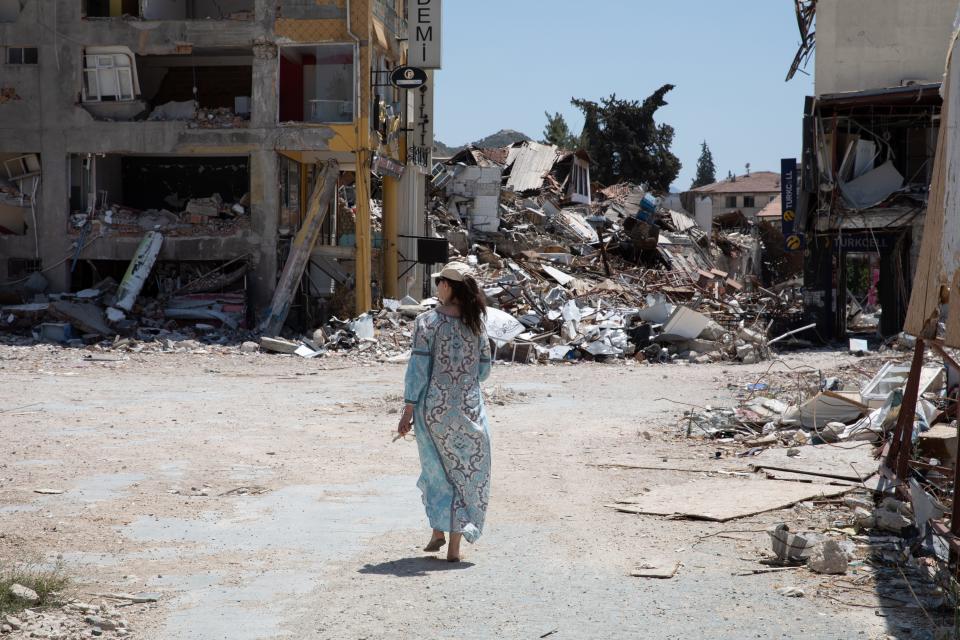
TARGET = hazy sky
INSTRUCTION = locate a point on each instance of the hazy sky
(506, 62)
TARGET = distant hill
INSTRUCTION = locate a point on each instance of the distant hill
(501, 138)
(441, 150)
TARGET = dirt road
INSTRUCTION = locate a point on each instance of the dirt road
(261, 496)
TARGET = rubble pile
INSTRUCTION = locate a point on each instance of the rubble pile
(191, 309)
(186, 217)
(833, 429)
(571, 277)
(856, 404)
(571, 271)
(74, 620)
(219, 118)
(198, 117)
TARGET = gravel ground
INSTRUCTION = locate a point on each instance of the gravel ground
(260, 496)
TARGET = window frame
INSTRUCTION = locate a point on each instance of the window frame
(728, 200)
(91, 89)
(349, 107)
(749, 202)
(23, 55)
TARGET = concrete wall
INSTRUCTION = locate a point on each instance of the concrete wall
(704, 213)
(481, 185)
(9, 10)
(870, 44)
(760, 200)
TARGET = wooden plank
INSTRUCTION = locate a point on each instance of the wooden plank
(952, 337)
(939, 238)
(723, 499)
(320, 204)
(870, 483)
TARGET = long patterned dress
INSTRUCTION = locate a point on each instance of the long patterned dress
(447, 365)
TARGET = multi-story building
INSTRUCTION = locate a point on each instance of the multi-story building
(746, 195)
(204, 120)
(870, 137)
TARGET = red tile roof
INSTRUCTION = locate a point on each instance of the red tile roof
(772, 210)
(756, 182)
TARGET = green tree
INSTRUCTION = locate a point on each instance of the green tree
(557, 132)
(706, 170)
(626, 143)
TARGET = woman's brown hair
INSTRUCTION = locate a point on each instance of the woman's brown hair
(473, 304)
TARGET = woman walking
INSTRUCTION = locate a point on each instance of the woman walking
(449, 360)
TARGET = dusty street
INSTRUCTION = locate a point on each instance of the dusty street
(261, 496)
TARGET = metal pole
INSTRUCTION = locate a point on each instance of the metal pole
(955, 517)
(898, 457)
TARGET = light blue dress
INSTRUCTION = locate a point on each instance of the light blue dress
(447, 364)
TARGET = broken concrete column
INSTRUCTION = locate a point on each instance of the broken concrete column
(264, 176)
(54, 244)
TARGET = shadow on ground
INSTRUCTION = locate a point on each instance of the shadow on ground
(413, 567)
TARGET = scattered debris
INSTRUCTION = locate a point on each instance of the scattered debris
(663, 571)
(723, 499)
(827, 557)
(20, 592)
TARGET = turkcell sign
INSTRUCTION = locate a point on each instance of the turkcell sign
(424, 42)
(793, 238)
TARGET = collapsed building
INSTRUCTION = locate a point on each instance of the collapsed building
(574, 270)
(207, 123)
(869, 139)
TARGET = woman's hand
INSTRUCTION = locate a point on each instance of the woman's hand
(406, 420)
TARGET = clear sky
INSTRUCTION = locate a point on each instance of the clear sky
(505, 62)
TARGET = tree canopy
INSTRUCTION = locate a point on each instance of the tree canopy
(557, 132)
(706, 169)
(626, 143)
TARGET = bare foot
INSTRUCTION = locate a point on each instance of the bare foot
(453, 551)
(436, 542)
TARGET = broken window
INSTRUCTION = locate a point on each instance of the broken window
(110, 8)
(22, 55)
(169, 9)
(109, 75)
(749, 202)
(580, 180)
(731, 202)
(317, 84)
(211, 88)
(174, 194)
(19, 192)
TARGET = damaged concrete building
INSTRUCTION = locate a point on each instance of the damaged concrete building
(869, 138)
(207, 122)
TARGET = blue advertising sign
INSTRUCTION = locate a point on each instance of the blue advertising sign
(792, 236)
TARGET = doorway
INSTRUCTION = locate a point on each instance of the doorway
(862, 283)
